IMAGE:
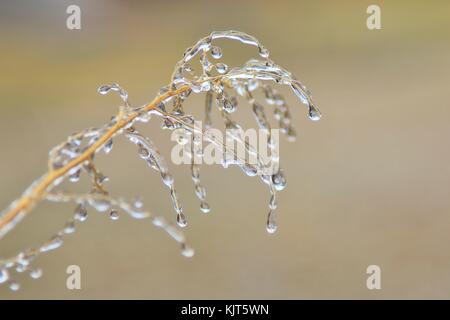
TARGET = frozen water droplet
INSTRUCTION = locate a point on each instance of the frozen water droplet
(143, 152)
(53, 244)
(216, 52)
(263, 52)
(314, 113)
(101, 205)
(205, 207)
(221, 68)
(114, 215)
(181, 220)
(145, 117)
(108, 146)
(205, 86)
(69, 227)
(167, 179)
(271, 226)
(138, 203)
(80, 213)
(75, 177)
(187, 251)
(4, 275)
(196, 87)
(21, 268)
(14, 285)
(36, 273)
(229, 106)
(104, 89)
(279, 180)
(250, 170)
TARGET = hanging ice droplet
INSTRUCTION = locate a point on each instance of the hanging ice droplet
(229, 106)
(263, 52)
(250, 170)
(21, 268)
(69, 227)
(4, 275)
(205, 207)
(187, 251)
(36, 273)
(314, 113)
(143, 152)
(14, 285)
(216, 52)
(101, 205)
(181, 220)
(81, 213)
(205, 86)
(104, 89)
(221, 68)
(108, 146)
(271, 226)
(279, 180)
(138, 203)
(144, 117)
(75, 177)
(114, 215)
(53, 244)
(167, 179)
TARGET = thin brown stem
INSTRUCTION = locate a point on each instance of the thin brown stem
(22, 206)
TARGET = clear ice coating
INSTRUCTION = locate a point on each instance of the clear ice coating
(221, 84)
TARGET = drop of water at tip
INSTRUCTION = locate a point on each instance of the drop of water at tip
(4, 275)
(14, 285)
(187, 251)
(69, 227)
(216, 52)
(250, 170)
(205, 207)
(181, 220)
(263, 52)
(36, 273)
(104, 89)
(221, 68)
(314, 113)
(271, 225)
(80, 213)
(138, 203)
(271, 228)
(279, 181)
(167, 179)
(114, 215)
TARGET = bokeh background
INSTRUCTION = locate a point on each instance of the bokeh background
(368, 184)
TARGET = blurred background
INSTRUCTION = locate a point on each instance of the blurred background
(368, 184)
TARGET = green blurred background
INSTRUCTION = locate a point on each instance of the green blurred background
(368, 184)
